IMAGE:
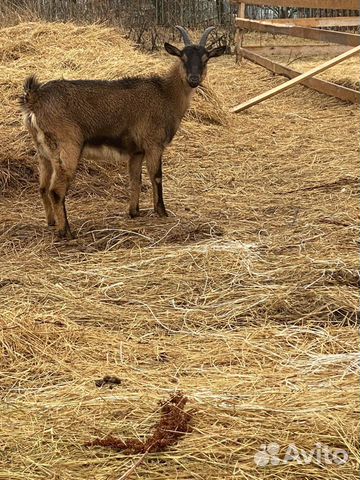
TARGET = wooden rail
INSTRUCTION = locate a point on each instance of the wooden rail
(329, 4)
(296, 50)
(317, 21)
(349, 39)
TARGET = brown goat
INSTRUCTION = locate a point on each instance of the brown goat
(137, 116)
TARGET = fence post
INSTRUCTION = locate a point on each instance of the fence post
(239, 34)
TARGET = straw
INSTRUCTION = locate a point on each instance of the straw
(245, 299)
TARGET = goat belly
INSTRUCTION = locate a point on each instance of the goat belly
(112, 142)
(122, 144)
(102, 153)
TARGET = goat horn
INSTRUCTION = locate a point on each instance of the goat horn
(185, 35)
(205, 36)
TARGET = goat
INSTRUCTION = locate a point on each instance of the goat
(138, 116)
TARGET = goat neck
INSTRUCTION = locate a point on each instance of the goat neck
(179, 89)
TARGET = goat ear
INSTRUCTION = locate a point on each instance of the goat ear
(172, 50)
(216, 52)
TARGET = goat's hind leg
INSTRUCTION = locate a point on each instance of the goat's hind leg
(45, 173)
(135, 166)
(45, 166)
(64, 167)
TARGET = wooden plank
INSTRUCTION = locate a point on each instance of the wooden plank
(331, 36)
(330, 4)
(297, 50)
(317, 21)
(294, 81)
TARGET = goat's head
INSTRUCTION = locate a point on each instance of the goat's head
(194, 57)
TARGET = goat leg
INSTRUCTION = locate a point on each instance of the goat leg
(154, 166)
(64, 169)
(135, 166)
(45, 173)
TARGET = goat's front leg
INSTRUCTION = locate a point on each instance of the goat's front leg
(154, 166)
(45, 173)
(64, 170)
(135, 166)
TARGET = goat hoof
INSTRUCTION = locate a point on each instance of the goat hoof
(162, 213)
(51, 223)
(134, 213)
(65, 234)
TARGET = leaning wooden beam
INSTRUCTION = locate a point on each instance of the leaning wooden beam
(330, 4)
(297, 50)
(296, 80)
(350, 39)
(317, 21)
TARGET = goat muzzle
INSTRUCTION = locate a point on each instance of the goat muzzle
(194, 80)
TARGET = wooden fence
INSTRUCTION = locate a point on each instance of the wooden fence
(311, 28)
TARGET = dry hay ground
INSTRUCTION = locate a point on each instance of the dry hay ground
(245, 298)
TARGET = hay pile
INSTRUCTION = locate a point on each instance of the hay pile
(245, 299)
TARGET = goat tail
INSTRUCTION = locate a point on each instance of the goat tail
(31, 87)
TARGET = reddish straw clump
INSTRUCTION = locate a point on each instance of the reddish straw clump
(173, 424)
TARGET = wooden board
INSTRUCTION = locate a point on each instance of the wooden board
(294, 81)
(317, 21)
(341, 38)
(297, 50)
(330, 4)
